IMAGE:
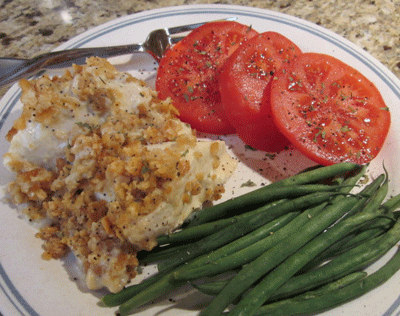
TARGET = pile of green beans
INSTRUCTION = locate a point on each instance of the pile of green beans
(299, 245)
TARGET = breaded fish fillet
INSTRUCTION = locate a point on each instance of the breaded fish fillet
(106, 167)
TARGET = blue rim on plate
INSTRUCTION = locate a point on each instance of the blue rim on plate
(7, 288)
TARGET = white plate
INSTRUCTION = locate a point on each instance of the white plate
(31, 286)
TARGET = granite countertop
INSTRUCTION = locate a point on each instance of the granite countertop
(28, 28)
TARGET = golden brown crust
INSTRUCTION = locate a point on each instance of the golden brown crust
(113, 158)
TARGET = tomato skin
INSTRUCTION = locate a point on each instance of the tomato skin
(188, 74)
(244, 82)
(329, 111)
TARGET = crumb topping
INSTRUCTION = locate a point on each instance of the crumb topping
(107, 167)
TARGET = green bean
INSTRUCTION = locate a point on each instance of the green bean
(288, 268)
(353, 260)
(323, 291)
(372, 230)
(349, 261)
(191, 233)
(166, 251)
(375, 193)
(237, 244)
(210, 288)
(375, 201)
(253, 237)
(214, 288)
(274, 256)
(242, 242)
(167, 283)
(208, 227)
(240, 228)
(262, 195)
(148, 289)
(115, 299)
(245, 255)
(371, 205)
(338, 284)
(277, 254)
(250, 253)
(276, 278)
(159, 253)
(296, 306)
(392, 204)
(322, 173)
(249, 201)
(196, 232)
(121, 297)
(342, 246)
(362, 236)
(163, 286)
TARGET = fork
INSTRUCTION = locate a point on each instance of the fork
(156, 43)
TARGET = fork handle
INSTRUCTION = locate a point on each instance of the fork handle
(63, 58)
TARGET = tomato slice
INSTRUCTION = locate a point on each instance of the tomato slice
(329, 111)
(244, 81)
(188, 74)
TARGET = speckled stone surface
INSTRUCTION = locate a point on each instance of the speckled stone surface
(28, 28)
